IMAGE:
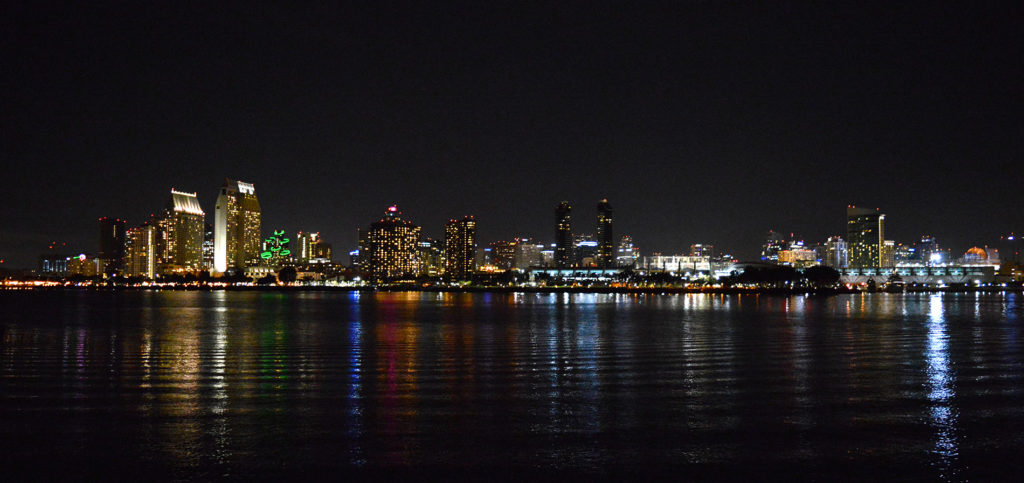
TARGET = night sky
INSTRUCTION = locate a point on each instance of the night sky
(709, 122)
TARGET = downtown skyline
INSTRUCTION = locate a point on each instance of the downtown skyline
(701, 123)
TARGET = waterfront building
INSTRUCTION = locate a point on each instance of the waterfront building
(904, 255)
(627, 254)
(430, 257)
(180, 234)
(528, 254)
(563, 235)
(836, 254)
(547, 257)
(111, 244)
(208, 246)
(865, 235)
(322, 251)
(605, 235)
(53, 265)
(585, 251)
(237, 225)
(140, 251)
(393, 243)
(798, 257)
(460, 248)
(887, 255)
(675, 264)
(503, 254)
(85, 266)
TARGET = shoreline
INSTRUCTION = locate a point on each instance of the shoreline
(545, 290)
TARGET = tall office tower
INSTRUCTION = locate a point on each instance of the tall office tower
(323, 252)
(835, 253)
(605, 240)
(563, 235)
(140, 251)
(928, 251)
(773, 244)
(237, 235)
(180, 236)
(865, 237)
(584, 251)
(393, 244)
(460, 248)
(112, 240)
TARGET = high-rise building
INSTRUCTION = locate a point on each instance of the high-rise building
(460, 248)
(429, 257)
(180, 234)
(865, 235)
(503, 254)
(112, 241)
(528, 254)
(605, 237)
(393, 243)
(836, 255)
(627, 254)
(773, 244)
(305, 242)
(140, 251)
(563, 235)
(208, 251)
(237, 219)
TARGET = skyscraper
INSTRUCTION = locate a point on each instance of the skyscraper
(865, 235)
(393, 246)
(460, 248)
(237, 219)
(180, 237)
(140, 251)
(563, 235)
(605, 241)
(112, 241)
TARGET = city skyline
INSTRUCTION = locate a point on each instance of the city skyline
(701, 123)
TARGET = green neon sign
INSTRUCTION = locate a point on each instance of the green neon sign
(277, 246)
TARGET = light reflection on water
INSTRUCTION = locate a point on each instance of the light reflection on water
(942, 390)
(236, 384)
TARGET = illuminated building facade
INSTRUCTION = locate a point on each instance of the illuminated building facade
(605, 236)
(393, 243)
(180, 234)
(865, 236)
(503, 254)
(140, 251)
(585, 251)
(835, 253)
(208, 251)
(773, 244)
(460, 248)
(111, 243)
(563, 235)
(627, 254)
(798, 257)
(237, 225)
(675, 263)
(887, 254)
(430, 257)
(528, 254)
(702, 250)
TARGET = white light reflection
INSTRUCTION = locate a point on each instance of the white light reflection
(941, 383)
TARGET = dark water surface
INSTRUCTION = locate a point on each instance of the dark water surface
(201, 385)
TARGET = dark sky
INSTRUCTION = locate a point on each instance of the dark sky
(707, 122)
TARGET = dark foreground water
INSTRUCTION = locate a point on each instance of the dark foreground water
(202, 385)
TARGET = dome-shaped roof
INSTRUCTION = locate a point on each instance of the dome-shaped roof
(977, 252)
